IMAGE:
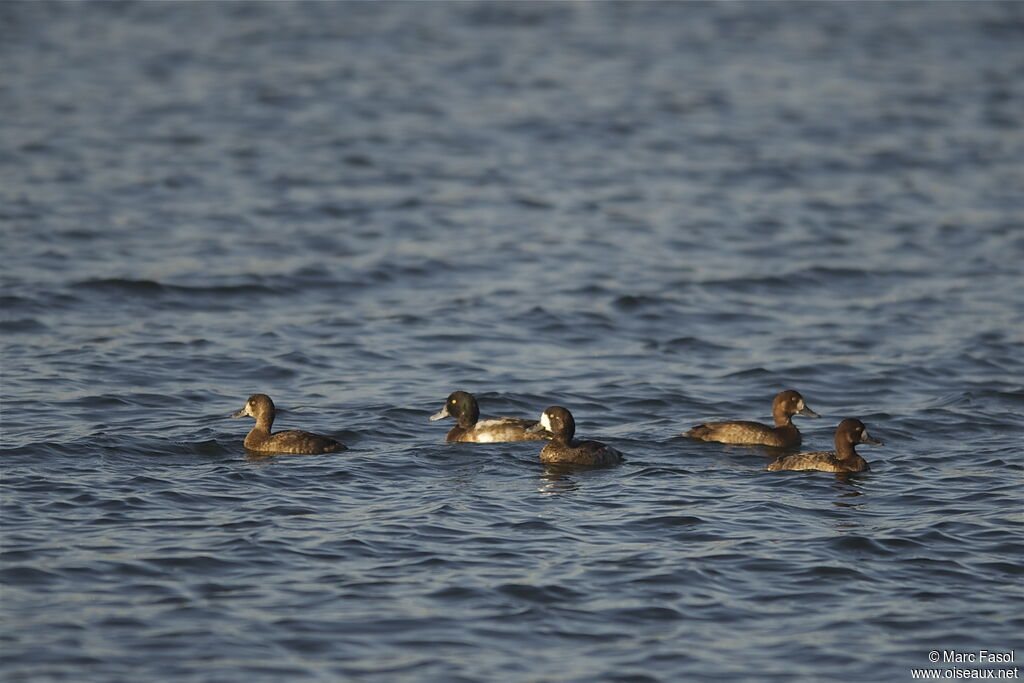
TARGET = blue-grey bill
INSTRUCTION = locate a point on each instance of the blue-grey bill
(870, 440)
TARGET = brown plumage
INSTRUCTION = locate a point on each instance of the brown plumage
(295, 441)
(470, 428)
(844, 458)
(567, 450)
(784, 434)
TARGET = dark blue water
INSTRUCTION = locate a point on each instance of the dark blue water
(653, 214)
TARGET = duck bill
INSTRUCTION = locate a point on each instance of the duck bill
(536, 428)
(240, 413)
(807, 412)
(441, 414)
(870, 440)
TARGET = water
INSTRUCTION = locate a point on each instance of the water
(653, 214)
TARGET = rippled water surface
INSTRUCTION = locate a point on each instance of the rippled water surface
(653, 214)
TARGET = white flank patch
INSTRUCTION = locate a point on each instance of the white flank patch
(483, 430)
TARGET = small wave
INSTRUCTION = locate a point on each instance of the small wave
(291, 510)
(458, 593)
(149, 288)
(198, 562)
(22, 575)
(338, 210)
(755, 285)
(692, 344)
(121, 285)
(10, 302)
(750, 373)
(540, 593)
(857, 545)
(814, 574)
(23, 326)
(644, 615)
(636, 302)
(668, 522)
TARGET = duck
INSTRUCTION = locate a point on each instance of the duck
(563, 448)
(784, 434)
(844, 458)
(462, 406)
(293, 441)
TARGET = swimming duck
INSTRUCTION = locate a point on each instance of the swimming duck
(564, 448)
(470, 428)
(295, 441)
(844, 458)
(783, 435)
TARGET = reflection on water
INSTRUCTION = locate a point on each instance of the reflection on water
(261, 459)
(847, 487)
(848, 482)
(556, 479)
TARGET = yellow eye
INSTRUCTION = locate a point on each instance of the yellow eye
(453, 401)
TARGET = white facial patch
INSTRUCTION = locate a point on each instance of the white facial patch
(800, 405)
(545, 422)
(864, 435)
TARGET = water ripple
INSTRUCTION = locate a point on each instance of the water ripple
(654, 214)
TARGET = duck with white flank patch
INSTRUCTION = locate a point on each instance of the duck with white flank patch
(462, 406)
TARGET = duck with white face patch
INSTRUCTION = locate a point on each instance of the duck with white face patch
(462, 406)
(564, 448)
